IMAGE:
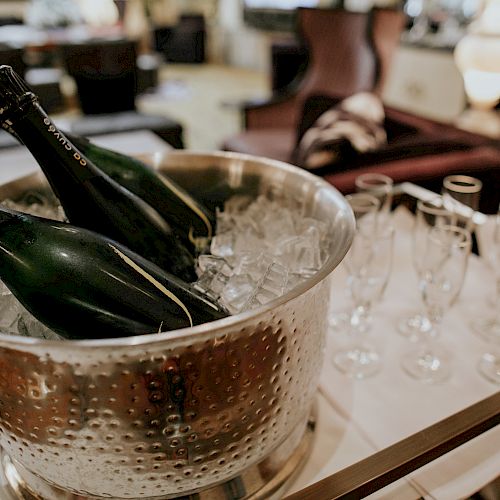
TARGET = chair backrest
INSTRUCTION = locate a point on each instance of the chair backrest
(341, 59)
(386, 26)
(349, 51)
(105, 74)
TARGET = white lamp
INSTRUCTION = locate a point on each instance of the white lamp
(477, 56)
(99, 12)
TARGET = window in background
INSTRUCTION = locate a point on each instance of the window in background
(442, 20)
(273, 15)
(280, 4)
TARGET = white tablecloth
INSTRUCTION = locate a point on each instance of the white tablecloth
(391, 405)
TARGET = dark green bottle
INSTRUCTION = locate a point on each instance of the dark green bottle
(83, 285)
(189, 219)
(90, 198)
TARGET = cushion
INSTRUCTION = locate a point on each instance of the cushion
(408, 136)
(354, 125)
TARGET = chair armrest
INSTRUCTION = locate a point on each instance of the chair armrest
(280, 110)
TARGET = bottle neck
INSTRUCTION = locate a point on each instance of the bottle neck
(50, 147)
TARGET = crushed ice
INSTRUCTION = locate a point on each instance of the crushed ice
(262, 249)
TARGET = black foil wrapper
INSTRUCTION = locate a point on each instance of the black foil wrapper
(14, 95)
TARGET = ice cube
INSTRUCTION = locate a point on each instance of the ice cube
(222, 244)
(237, 292)
(268, 246)
(271, 286)
(35, 203)
(208, 261)
(213, 280)
(10, 310)
(29, 326)
(16, 320)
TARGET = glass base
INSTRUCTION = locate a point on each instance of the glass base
(488, 329)
(426, 365)
(358, 362)
(489, 367)
(415, 327)
(344, 322)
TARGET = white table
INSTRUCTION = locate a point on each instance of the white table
(369, 415)
(357, 418)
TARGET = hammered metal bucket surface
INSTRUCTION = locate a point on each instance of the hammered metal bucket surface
(174, 413)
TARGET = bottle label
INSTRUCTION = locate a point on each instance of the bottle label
(63, 141)
(168, 293)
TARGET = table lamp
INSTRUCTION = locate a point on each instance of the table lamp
(477, 56)
(99, 12)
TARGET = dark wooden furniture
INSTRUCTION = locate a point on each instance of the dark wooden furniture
(183, 42)
(104, 72)
(418, 150)
(107, 77)
(289, 59)
(45, 82)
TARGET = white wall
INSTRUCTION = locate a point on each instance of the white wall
(239, 45)
(243, 45)
(15, 9)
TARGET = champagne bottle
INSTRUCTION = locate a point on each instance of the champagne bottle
(189, 219)
(83, 285)
(90, 198)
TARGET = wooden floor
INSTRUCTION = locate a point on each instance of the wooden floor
(205, 99)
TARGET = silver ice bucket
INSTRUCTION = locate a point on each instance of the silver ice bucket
(219, 410)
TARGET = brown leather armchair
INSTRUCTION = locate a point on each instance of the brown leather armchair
(348, 52)
(351, 52)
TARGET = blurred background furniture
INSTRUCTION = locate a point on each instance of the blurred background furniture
(45, 82)
(347, 52)
(108, 76)
(13, 56)
(183, 42)
(425, 81)
(104, 72)
(289, 57)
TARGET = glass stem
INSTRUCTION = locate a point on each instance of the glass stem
(359, 318)
(427, 339)
(496, 313)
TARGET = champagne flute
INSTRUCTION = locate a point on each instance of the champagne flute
(428, 214)
(379, 185)
(365, 208)
(368, 262)
(489, 364)
(443, 270)
(461, 195)
(489, 328)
